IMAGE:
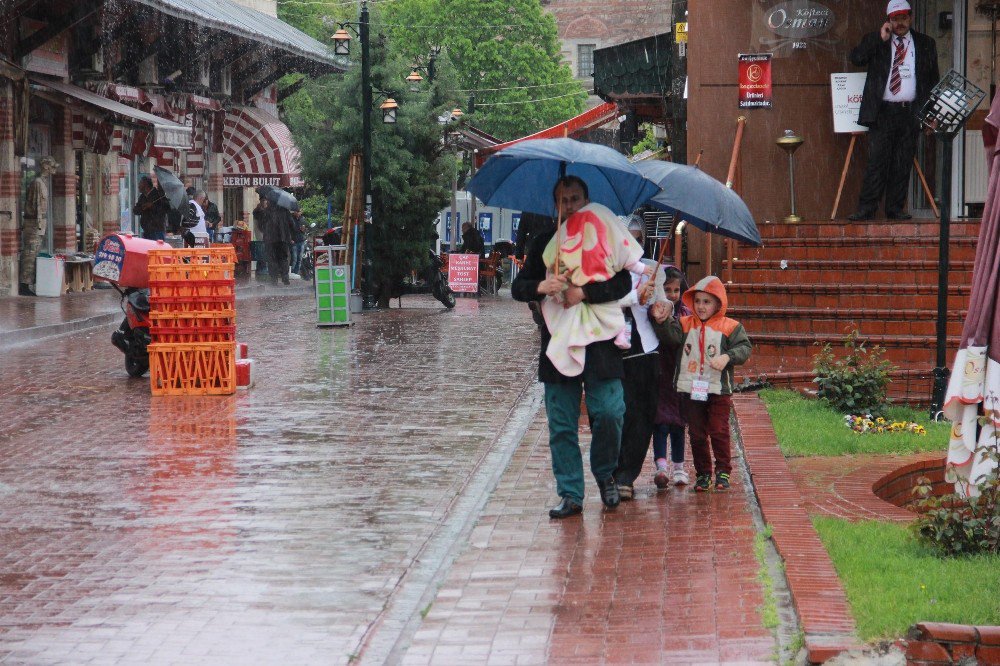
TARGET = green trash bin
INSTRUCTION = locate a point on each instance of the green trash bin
(333, 291)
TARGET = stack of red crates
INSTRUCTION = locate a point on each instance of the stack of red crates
(192, 312)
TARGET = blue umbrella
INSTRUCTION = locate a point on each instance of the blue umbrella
(701, 200)
(523, 176)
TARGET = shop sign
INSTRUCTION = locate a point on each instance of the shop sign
(800, 19)
(50, 58)
(755, 80)
(251, 181)
(846, 90)
(463, 273)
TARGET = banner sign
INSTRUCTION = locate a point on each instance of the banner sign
(515, 226)
(463, 273)
(846, 90)
(486, 227)
(755, 80)
(447, 225)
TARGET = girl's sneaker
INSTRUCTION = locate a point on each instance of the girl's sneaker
(702, 483)
(722, 481)
(661, 477)
(678, 475)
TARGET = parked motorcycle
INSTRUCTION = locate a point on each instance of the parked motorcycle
(431, 280)
(132, 336)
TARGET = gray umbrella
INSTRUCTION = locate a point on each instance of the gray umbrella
(172, 187)
(279, 197)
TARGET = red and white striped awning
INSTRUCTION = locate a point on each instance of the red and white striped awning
(258, 150)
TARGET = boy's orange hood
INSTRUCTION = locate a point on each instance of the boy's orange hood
(711, 285)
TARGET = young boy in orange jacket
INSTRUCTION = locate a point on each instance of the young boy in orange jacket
(708, 345)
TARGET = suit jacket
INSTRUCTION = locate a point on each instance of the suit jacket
(877, 56)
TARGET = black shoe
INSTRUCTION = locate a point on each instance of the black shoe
(286, 282)
(899, 216)
(625, 492)
(565, 509)
(722, 481)
(24, 290)
(609, 492)
(702, 484)
(860, 216)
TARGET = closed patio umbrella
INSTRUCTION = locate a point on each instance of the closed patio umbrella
(974, 385)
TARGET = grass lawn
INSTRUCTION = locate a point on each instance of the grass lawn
(809, 428)
(893, 582)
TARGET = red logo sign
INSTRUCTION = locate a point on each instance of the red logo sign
(755, 80)
(463, 273)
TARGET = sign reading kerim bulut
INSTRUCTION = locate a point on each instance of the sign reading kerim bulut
(755, 80)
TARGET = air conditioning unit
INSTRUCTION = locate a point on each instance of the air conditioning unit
(204, 73)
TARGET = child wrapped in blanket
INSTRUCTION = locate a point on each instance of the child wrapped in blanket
(592, 246)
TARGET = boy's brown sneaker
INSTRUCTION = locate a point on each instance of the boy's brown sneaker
(702, 484)
(722, 481)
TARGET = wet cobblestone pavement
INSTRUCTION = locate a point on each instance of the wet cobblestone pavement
(317, 518)
(271, 526)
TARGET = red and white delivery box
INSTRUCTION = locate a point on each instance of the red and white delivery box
(123, 259)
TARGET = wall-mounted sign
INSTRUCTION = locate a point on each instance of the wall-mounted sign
(755, 80)
(486, 227)
(681, 32)
(785, 26)
(846, 90)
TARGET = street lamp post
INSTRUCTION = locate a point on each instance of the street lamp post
(950, 104)
(342, 41)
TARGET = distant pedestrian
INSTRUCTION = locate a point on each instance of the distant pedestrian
(277, 231)
(212, 219)
(670, 423)
(531, 226)
(708, 344)
(152, 208)
(599, 378)
(194, 219)
(472, 240)
(298, 240)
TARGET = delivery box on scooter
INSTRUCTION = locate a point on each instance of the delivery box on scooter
(123, 259)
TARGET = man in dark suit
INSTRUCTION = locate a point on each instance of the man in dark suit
(902, 70)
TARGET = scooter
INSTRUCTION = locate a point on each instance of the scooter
(432, 281)
(133, 336)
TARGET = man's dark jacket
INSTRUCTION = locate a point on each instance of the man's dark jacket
(877, 56)
(472, 241)
(152, 208)
(603, 360)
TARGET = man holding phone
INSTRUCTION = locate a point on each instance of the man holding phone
(902, 70)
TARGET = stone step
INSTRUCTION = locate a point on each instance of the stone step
(911, 296)
(902, 248)
(828, 321)
(876, 274)
(770, 356)
(845, 228)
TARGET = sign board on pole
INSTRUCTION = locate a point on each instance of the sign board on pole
(755, 80)
(486, 227)
(463, 273)
(846, 90)
(515, 226)
(681, 32)
(447, 225)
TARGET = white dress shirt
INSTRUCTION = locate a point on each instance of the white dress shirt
(907, 71)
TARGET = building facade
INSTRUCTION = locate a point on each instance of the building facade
(110, 90)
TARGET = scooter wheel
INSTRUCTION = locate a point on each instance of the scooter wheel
(136, 367)
(449, 299)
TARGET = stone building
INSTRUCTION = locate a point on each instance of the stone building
(110, 88)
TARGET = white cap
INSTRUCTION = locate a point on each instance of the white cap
(896, 7)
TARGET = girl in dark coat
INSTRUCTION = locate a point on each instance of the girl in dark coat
(669, 420)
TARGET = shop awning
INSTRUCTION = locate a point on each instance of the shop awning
(258, 150)
(572, 128)
(166, 133)
(236, 19)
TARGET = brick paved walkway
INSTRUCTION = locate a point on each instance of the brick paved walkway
(310, 520)
(668, 578)
(842, 486)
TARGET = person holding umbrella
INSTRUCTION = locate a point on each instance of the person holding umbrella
(275, 224)
(152, 207)
(597, 369)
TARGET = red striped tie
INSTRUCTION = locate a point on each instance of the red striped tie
(896, 81)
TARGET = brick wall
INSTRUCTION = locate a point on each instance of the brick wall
(897, 486)
(940, 644)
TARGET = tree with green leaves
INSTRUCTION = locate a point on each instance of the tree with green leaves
(505, 52)
(409, 168)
